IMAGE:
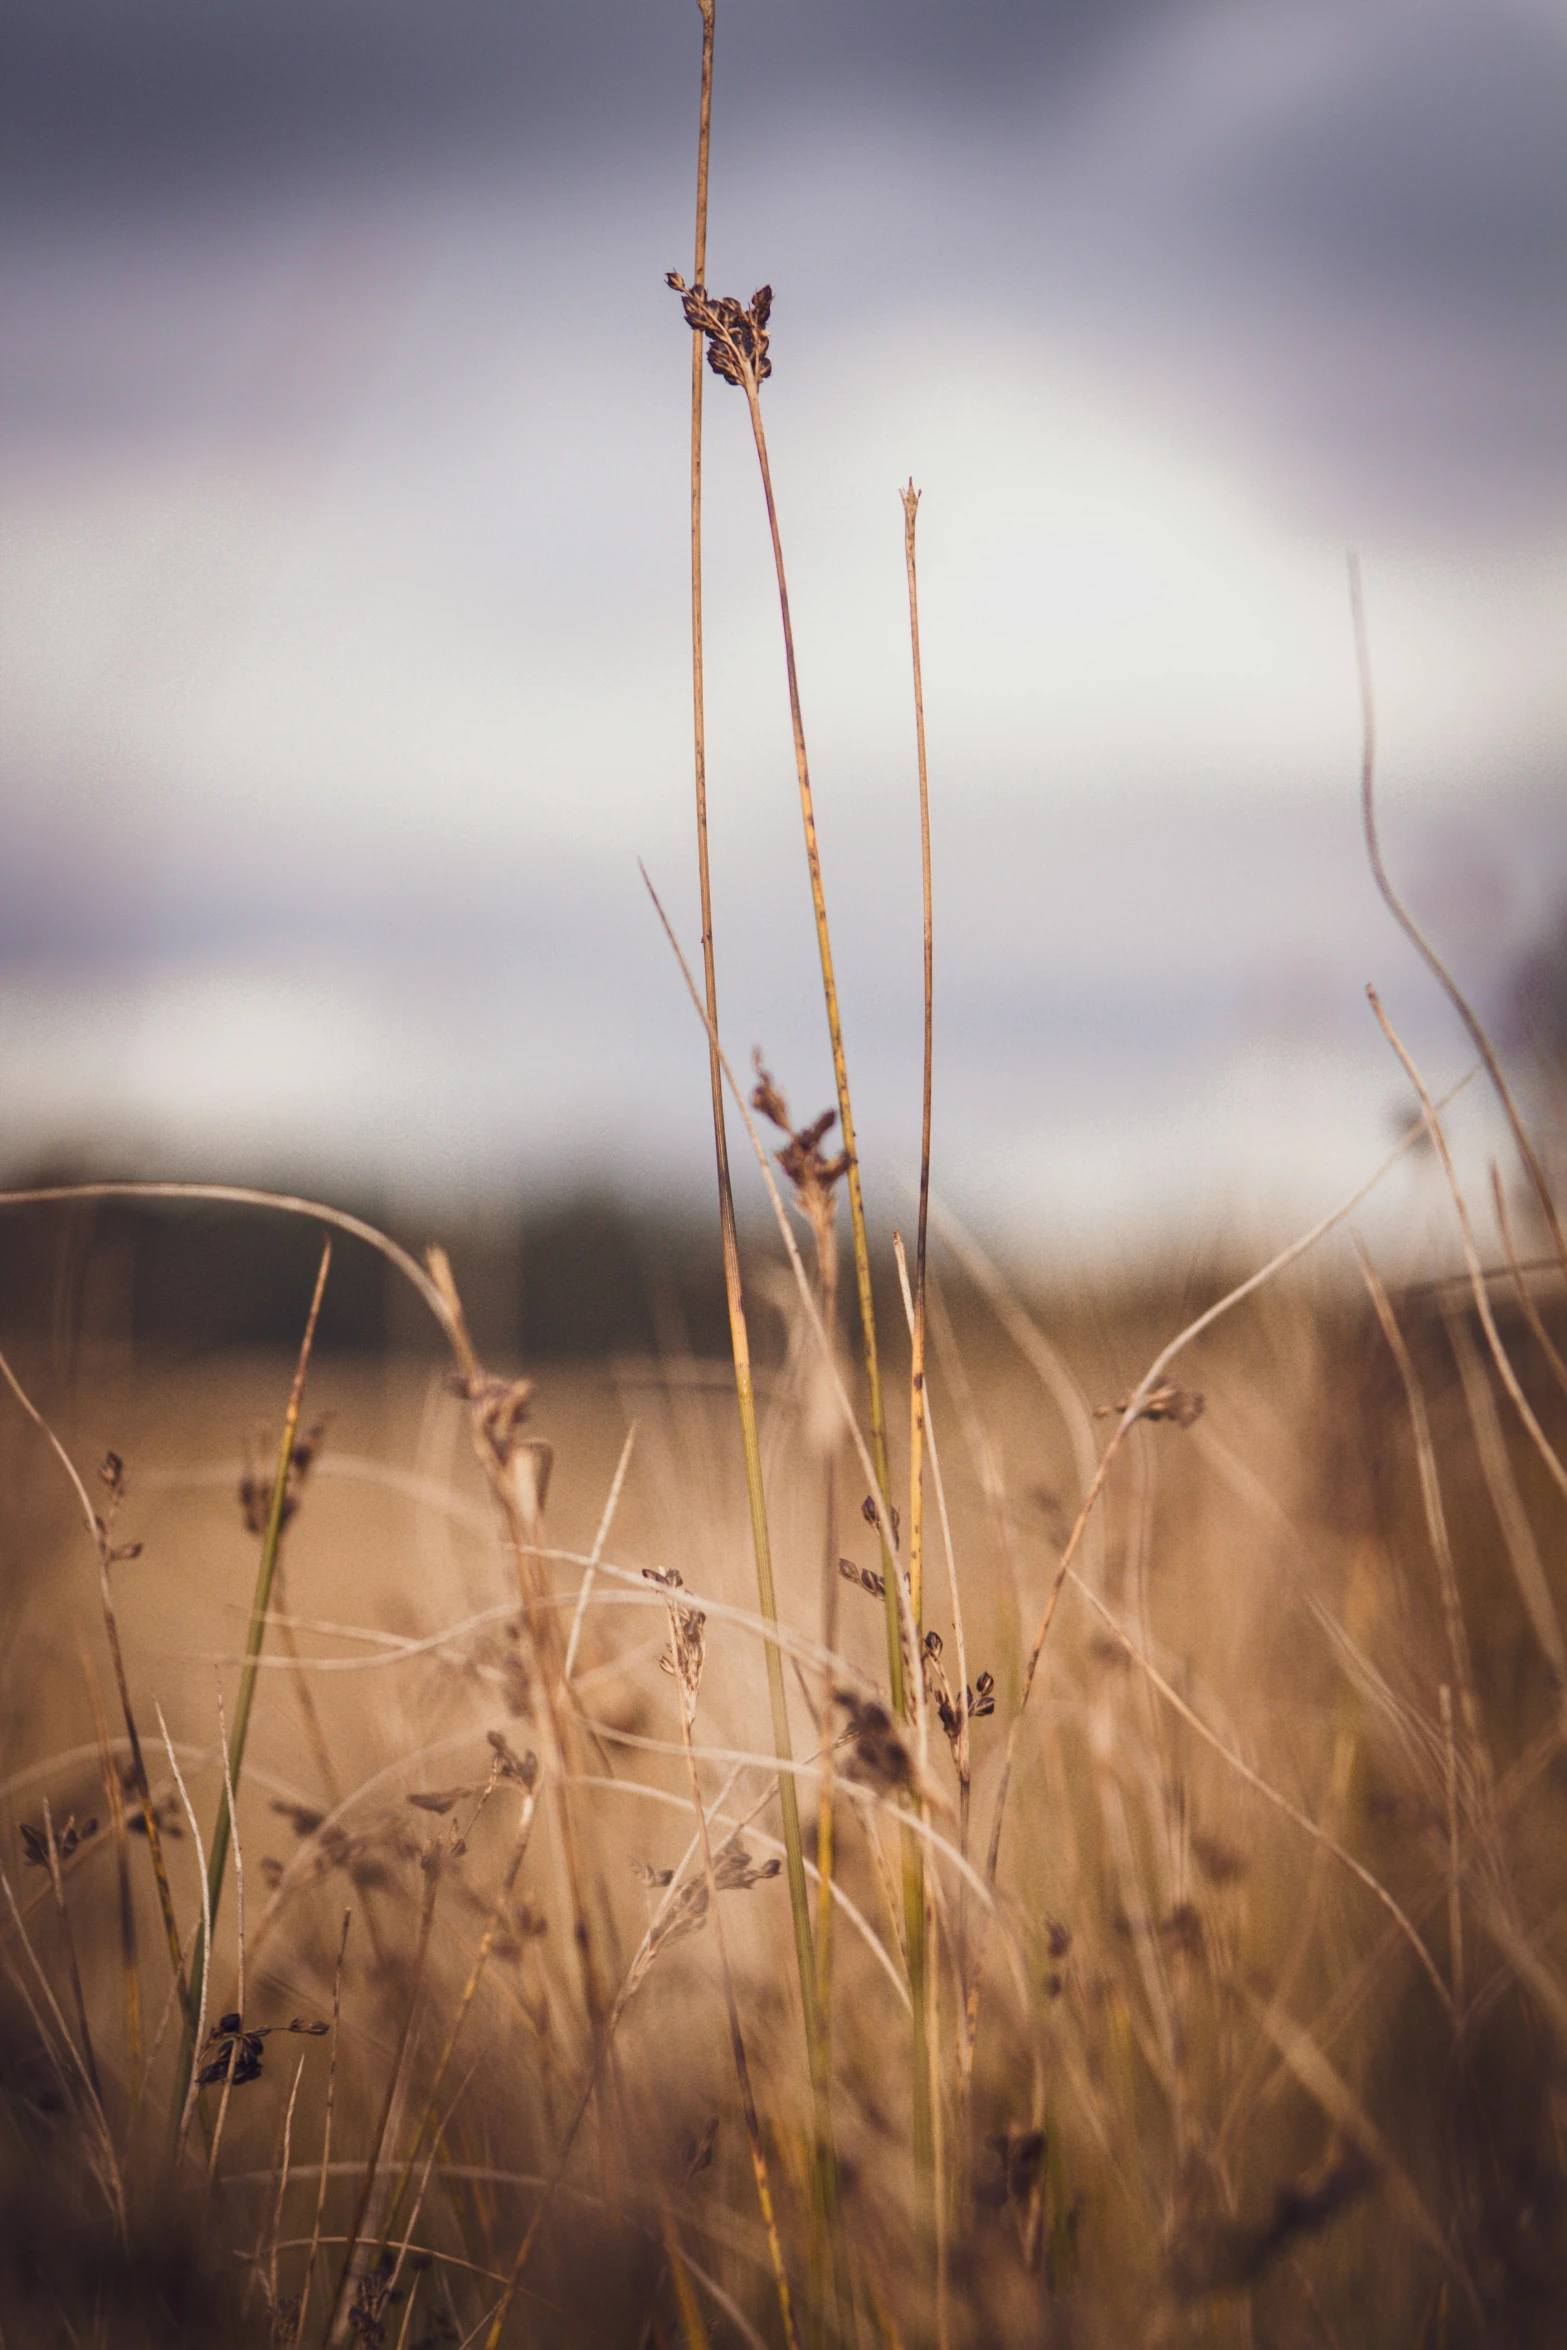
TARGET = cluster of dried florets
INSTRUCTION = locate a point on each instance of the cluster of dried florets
(878, 1756)
(256, 1478)
(688, 1638)
(952, 1712)
(736, 335)
(1179, 1405)
(734, 1871)
(869, 1579)
(36, 1840)
(111, 1474)
(238, 2051)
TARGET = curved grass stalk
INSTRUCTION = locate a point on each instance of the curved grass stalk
(1412, 930)
(1436, 1518)
(1431, 1124)
(1149, 1381)
(98, 1532)
(1269, 1793)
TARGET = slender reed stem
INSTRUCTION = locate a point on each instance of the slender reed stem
(1521, 1290)
(62, 1906)
(922, 1922)
(1139, 1396)
(1436, 1519)
(326, 2132)
(432, 1887)
(1269, 1793)
(130, 1967)
(825, 2193)
(1455, 1903)
(1432, 1125)
(555, 1720)
(753, 2127)
(911, 500)
(236, 2042)
(862, 1258)
(1417, 937)
(481, 1957)
(186, 2101)
(260, 1605)
(284, 2166)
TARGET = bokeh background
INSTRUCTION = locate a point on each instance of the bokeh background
(343, 587)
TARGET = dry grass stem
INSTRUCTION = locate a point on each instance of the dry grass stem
(1417, 937)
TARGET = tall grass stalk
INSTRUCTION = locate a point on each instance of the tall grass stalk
(738, 348)
(686, 1657)
(751, 385)
(1277, 1264)
(1416, 936)
(260, 1606)
(495, 1408)
(825, 2198)
(1431, 1124)
(432, 1865)
(73, 1965)
(922, 1916)
(130, 1969)
(307, 2282)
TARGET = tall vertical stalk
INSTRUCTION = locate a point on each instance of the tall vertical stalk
(751, 385)
(922, 1916)
(824, 2165)
(256, 1634)
(911, 500)
(737, 351)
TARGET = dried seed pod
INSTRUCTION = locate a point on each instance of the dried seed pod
(238, 2057)
(67, 1837)
(1179, 1405)
(736, 333)
(815, 1177)
(734, 1872)
(442, 1800)
(524, 1768)
(688, 1638)
(301, 1817)
(877, 1755)
(258, 1474)
(649, 1875)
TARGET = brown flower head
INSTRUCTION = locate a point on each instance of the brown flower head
(736, 335)
(688, 1640)
(1180, 1405)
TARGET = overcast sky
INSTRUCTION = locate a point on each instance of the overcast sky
(343, 578)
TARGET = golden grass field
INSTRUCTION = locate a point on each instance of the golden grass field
(1270, 1991)
(1042, 1826)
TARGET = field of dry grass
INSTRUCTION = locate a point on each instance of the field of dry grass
(1256, 2036)
(957, 1822)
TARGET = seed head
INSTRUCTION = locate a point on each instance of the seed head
(736, 335)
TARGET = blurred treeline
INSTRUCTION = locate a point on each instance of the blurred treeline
(585, 1275)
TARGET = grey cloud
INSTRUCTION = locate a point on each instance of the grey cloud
(1358, 279)
(99, 99)
(1437, 174)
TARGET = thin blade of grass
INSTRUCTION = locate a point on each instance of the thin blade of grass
(256, 1634)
